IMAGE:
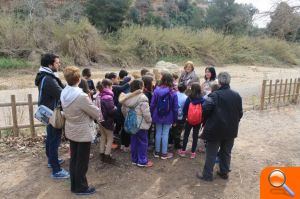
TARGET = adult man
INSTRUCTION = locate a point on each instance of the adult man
(50, 87)
(222, 112)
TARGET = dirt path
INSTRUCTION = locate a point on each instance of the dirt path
(265, 138)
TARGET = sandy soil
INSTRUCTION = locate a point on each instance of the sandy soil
(246, 80)
(265, 138)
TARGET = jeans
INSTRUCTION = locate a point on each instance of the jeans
(53, 140)
(212, 147)
(139, 147)
(187, 131)
(79, 162)
(162, 137)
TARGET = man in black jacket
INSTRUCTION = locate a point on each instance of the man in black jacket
(50, 87)
(222, 112)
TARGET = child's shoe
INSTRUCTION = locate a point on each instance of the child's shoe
(166, 156)
(156, 154)
(181, 153)
(193, 155)
(149, 164)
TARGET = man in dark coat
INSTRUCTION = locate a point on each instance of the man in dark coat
(222, 112)
(50, 88)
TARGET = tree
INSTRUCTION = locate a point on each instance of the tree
(285, 22)
(230, 17)
(107, 15)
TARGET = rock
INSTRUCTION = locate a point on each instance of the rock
(162, 65)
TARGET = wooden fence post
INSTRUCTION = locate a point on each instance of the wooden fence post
(262, 99)
(270, 91)
(14, 115)
(290, 89)
(285, 87)
(31, 120)
(280, 91)
(275, 93)
(297, 91)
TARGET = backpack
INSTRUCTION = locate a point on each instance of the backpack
(131, 125)
(194, 114)
(163, 105)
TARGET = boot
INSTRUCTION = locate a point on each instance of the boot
(101, 156)
(108, 159)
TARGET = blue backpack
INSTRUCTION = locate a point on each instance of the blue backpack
(163, 104)
(131, 125)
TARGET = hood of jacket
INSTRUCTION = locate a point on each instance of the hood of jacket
(69, 95)
(162, 90)
(43, 71)
(132, 99)
(106, 94)
(197, 101)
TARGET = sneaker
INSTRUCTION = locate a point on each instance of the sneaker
(114, 146)
(149, 164)
(193, 155)
(201, 177)
(122, 147)
(126, 149)
(108, 159)
(201, 150)
(133, 163)
(224, 176)
(60, 161)
(89, 191)
(181, 153)
(166, 156)
(62, 174)
(156, 154)
(101, 156)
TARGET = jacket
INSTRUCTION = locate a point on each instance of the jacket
(171, 117)
(188, 78)
(49, 95)
(222, 112)
(138, 100)
(108, 108)
(80, 114)
(123, 87)
(181, 102)
(187, 104)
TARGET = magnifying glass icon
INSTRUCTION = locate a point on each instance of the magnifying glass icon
(277, 179)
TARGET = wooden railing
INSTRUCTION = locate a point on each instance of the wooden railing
(15, 127)
(279, 92)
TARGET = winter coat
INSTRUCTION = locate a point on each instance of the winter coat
(49, 95)
(108, 109)
(80, 114)
(138, 100)
(171, 117)
(222, 112)
(189, 78)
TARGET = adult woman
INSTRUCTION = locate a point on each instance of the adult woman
(80, 114)
(210, 79)
(188, 76)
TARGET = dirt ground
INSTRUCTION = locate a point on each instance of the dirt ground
(265, 138)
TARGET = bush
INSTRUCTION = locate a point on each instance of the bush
(8, 63)
(150, 44)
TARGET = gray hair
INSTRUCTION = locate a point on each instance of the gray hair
(224, 78)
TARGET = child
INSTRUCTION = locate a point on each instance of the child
(192, 112)
(178, 128)
(175, 81)
(164, 109)
(144, 71)
(108, 108)
(139, 141)
(148, 90)
(87, 74)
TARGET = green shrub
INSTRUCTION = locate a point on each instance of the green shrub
(8, 63)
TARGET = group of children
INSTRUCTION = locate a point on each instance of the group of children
(147, 110)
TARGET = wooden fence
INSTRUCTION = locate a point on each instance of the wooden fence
(279, 92)
(15, 127)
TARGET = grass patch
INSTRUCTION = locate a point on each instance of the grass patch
(10, 63)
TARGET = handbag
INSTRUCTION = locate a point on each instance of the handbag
(57, 120)
(46, 116)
